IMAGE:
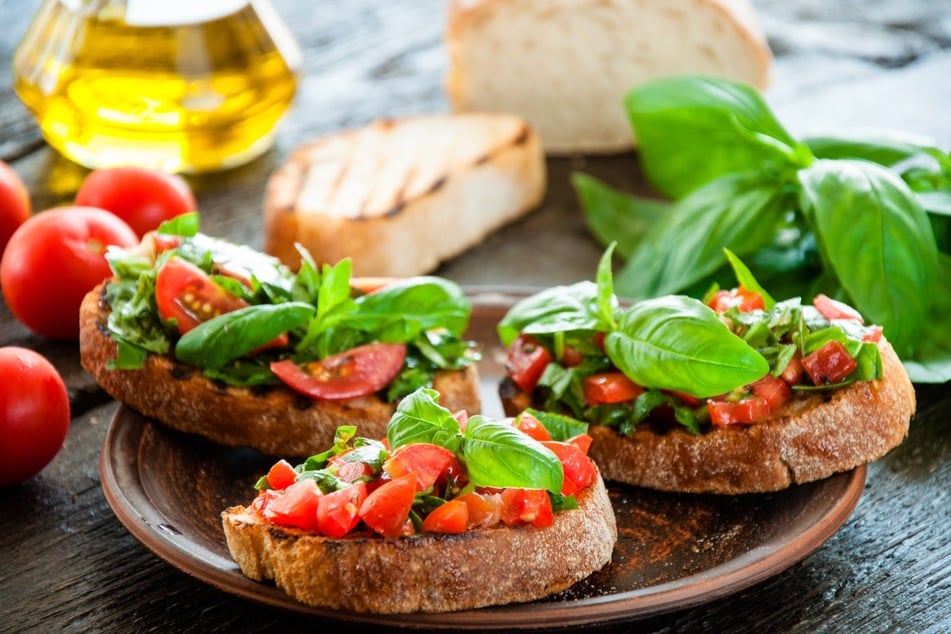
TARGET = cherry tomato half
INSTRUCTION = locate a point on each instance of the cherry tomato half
(360, 371)
(525, 362)
(144, 198)
(187, 294)
(14, 203)
(34, 414)
(53, 260)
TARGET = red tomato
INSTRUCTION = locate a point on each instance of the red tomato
(527, 506)
(793, 372)
(582, 442)
(745, 412)
(53, 260)
(34, 414)
(360, 371)
(531, 426)
(775, 391)
(831, 363)
(350, 471)
(483, 510)
(187, 294)
(451, 517)
(386, 510)
(873, 334)
(570, 357)
(610, 387)
(281, 475)
(14, 203)
(144, 198)
(744, 299)
(526, 361)
(296, 507)
(338, 513)
(689, 399)
(428, 463)
(579, 471)
(833, 309)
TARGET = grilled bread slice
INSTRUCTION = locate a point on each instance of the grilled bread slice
(427, 573)
(272, 420)
(811, 438)
(566, 65)
(400, 196)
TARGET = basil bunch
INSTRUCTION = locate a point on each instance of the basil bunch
(865, 220)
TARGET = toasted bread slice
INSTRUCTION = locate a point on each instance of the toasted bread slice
(566, 65)
(810, 439)
(274, 420)
(401, 196)
(427, 573)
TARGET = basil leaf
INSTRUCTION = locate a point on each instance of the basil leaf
(185, 225)
(400, 311)
(677, 343)
(217, 341)
(876, 239)
(555, 309)
(692, 130)
(932, 363)
(420, 418)
(746, 279)
(882, 147)
(498, 455)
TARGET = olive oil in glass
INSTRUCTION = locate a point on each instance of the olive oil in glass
(177, 85)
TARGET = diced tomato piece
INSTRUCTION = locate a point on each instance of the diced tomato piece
(531, 426)
(578, 469)
(582, 442)
(610, 387)
(296, 507)
(262, 500)
(360, 371)
(741, 297)
(689, 399)
(570, 357)
(831, 363)
(793, 372)
(367, 285)
(749, 410)
(451, 517)
(281, 475)
(338, 512)
(526, 361)
(873, 334)
(351, 471)
(775, 391)
(834, 309)
(428, 463)
(527, 506)
(483, 510)
(462, 417)
(386, 510)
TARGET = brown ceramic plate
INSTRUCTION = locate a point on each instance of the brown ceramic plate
(674, 551)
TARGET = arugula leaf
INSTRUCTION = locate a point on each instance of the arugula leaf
(677, 343)
(498, 455)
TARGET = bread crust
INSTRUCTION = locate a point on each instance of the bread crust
(427, 573)
(273, 420)
(812, 438)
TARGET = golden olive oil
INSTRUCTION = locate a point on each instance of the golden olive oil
(112, 86)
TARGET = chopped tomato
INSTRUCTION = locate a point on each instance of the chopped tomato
(582, 442)
(570, 357)
(360, 371)
(873, 334)
(598, 340)
(462, 417)
(526, 360)
(775, 391)
(483, 510)
(833, 309)
(831, 363)
(338, 512)
(367, 285)
(793, 372)
(531, 426)
(578, 469)
(386, 510)
(350, 470)
(689, 399)
(263, 498)
(610, 387)
(281, 475)
(296, 507)
(741, 297)
(744, 412)
(428, 463)
(526, 506)
(451, 517)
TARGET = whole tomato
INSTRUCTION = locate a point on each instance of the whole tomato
(143, 197)
(34, 414)
(14, 203)
(53, 260)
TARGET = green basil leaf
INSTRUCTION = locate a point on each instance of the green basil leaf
(692, 130)
(400, 311)
(931, 362)
(678, 343)
(883, 147)
(217, 341)
(746, 279)
(877, 240)
(607, 301)
(555, 309)
(498, 455)
(185, 225)
(420, 418)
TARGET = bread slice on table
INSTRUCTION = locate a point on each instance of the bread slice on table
(427, 573)
(566, 65)
(814, 437)
(274, 420)
(400, 196)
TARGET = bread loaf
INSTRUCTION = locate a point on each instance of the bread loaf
(401, 196)
(566, 65)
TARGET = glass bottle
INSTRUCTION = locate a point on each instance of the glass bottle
(177, 85)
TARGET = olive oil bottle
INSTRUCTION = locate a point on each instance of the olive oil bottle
(177, 85)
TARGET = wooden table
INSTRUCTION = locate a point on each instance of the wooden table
(67, 564)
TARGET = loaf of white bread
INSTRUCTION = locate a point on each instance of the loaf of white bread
(566, 65)
(400, 196)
